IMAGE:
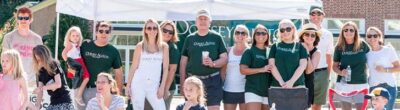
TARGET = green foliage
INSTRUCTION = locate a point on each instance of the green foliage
(7, 8)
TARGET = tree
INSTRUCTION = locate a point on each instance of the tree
(7, 9)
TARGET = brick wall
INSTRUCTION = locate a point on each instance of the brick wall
(373, 11)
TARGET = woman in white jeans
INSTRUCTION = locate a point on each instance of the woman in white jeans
(150, 56)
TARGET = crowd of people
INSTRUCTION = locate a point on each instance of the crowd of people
(240, 76)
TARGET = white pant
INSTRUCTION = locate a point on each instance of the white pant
(148, 90)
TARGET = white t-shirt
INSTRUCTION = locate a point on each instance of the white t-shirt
(235, 81)
(74, 53)
(385, 57)
(325, 45)
(24, 45)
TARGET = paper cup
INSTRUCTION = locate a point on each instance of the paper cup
(205, 54)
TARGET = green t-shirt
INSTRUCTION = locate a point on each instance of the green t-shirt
(99, 59)
(356, 60)
(174, 58)
(287, 60)
(260, 82)
(194, 46)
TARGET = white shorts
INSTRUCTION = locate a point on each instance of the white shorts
(251, 97)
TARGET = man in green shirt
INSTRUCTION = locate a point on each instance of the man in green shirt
(100, 56)
(205, 68)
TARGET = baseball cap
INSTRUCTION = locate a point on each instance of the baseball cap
(316, 9)
(203, 12)
(378, 92)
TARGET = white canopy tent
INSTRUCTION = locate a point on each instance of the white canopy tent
(138, 10)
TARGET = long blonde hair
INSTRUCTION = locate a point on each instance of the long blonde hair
(44, 59)
(146, 37)
(15, 60)
(114, 88)
(341, 44)
(67, 37)
(175, 37)
(200, 87)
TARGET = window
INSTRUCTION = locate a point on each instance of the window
(127, 23)
(392, 27)
(125, 40)
(335, 24)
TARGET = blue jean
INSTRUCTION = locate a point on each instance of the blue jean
(392, 92)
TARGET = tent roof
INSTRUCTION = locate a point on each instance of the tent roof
(135, 10)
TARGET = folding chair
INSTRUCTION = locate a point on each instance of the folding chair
(331, 92)
(288, 99)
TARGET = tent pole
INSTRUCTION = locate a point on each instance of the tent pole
(57, 36)
(94, 30)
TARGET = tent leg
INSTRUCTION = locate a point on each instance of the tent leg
(57, 36)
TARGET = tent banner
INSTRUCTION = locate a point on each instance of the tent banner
(226, 28)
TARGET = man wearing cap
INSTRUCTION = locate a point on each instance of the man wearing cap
(321, 75)
(379, 98)
(203, 55)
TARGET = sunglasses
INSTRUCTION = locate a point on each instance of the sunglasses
(347, 30)
(309, 35)
(241, 33)
(152, 28)
(23, 18)
(104, 31)
(316, 13)
(373, 35)
(288, 29)
(171, 32)
(261, 33)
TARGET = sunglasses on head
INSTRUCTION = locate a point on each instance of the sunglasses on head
(347, 30)
(171, 32)
(309, 35)
(241, 33)
(288, 29)
(104, 31)
(373, 35)
(152, 28)
(23, 18)
(316, 13)
(261, 33)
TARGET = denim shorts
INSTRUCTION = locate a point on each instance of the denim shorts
(213, 88)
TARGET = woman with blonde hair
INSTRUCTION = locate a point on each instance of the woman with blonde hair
(234, 85)
(383, 63)
(350, 64)
(170, 36)
(288, 57)
(107, 97)
(149, 59)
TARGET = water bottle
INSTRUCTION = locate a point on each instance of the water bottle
(348, 77)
